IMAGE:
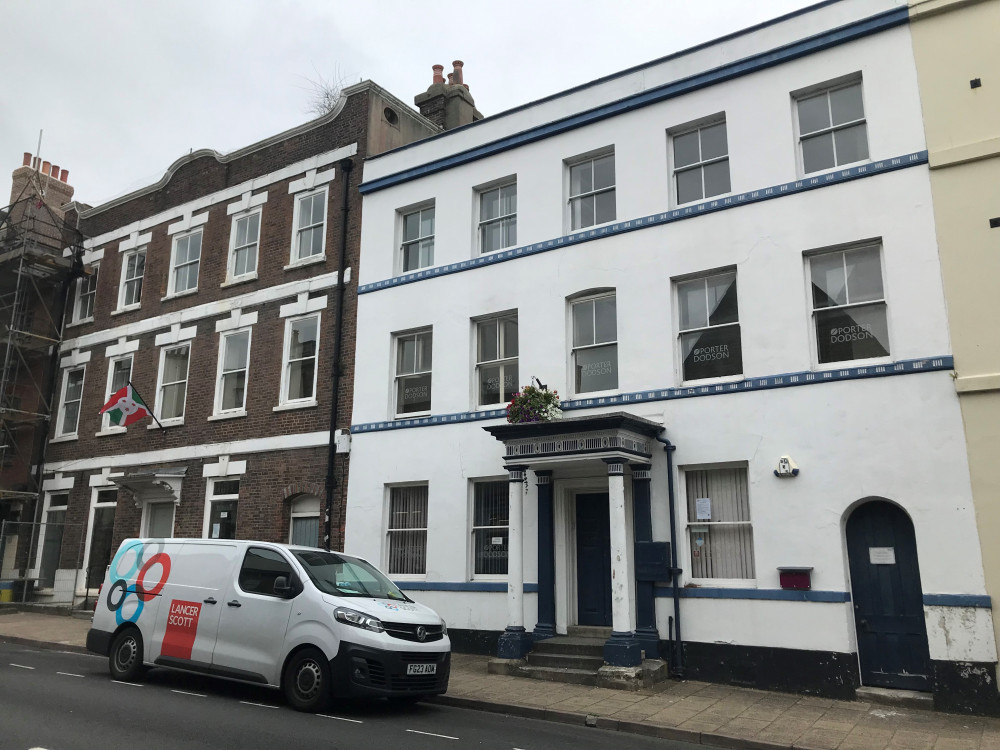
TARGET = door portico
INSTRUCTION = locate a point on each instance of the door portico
(603, 579)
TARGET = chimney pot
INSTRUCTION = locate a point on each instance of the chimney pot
(458, 71)
(46, 166)
(27, 159)
(34, 162)
(54, 172)
(64, 177)
(438, 71)
(451, 78)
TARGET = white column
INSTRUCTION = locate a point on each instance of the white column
(515, 549)
(622, 590)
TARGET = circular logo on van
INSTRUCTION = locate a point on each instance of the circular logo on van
(421, 633)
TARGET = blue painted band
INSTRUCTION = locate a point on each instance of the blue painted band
(492, 587)
(958, 600)
(752, 64)
(787, 380)
(794, 187)
(788, 595)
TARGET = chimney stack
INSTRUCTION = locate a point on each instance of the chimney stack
(58, 191)
(448, 104)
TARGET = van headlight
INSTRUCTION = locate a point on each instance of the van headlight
(444, 627)
(358, 619)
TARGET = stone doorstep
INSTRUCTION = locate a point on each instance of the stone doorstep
(888, 697)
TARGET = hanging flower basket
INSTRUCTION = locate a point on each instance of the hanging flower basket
(534, 405)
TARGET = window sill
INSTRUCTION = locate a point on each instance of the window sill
(64, 438)
(414, 415)
(239, 280)
(228, 415)
(127, 308)
(830, 170)
(175, 295)
(870, 362)
(166, 423)
(721, 583)
(292, 405)
(310, 261)
(594, 394)
(80, 322)
(722, 379)
(111, 431)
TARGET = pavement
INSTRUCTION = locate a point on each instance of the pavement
(698, 712)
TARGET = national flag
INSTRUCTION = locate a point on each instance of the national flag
(125, 407)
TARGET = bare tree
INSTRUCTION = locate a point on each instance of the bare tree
(324, 91)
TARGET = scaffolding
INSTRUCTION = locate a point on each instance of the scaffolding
(39, 258)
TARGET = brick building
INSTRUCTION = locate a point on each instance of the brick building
(223, 293)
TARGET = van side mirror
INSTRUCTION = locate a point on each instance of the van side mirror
(281, 586)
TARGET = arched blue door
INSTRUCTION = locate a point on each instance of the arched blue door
(888, 600)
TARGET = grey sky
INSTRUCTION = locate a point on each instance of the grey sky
(123, 89)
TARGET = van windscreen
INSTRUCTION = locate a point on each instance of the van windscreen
(333, 574)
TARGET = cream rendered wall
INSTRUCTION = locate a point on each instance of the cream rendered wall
(955, 41)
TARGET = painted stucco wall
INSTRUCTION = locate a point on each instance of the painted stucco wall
(955, 41)
(898, 438)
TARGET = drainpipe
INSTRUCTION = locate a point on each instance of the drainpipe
(675, 572)
(346, 165)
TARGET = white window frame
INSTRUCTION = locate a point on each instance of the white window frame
(211, 498)
(61, 420)
(471, 536)
(95, 493)
(576, 161)
(78, 297)
(693, 522)
(168, 421)
(826, 89)
(402, 213)
(704, 277)
(144, 522)
(295, 258)
(302, 507)
(46, 509)
(501, 361)
(843, 250)
(231, 276)
(286, 365)
(697, 127)
(172, 290)
(106, 427)
(223, 337)
(572, 302)
(502, 219)
(396, 375)
(125, 281)
(389, 529)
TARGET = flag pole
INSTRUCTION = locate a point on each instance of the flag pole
(152, 413)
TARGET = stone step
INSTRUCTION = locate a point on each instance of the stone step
(588, 631)
(888, 697)
(559, 674)
(565, 661)
(564, 644)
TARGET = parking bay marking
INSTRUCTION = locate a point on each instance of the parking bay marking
(185, 692)
(431, 734)
(20, 666)
(261, 705)
(69, 674)
(122, 682)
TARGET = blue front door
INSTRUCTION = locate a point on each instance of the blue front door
(888, 599)
(593, 560)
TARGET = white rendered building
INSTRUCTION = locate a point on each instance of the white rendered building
(823, 523)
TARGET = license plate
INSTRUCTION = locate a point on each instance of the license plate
(421, 668)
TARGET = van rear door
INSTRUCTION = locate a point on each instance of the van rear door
(188, 619)
(254, 619)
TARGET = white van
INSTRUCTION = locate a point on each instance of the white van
(310, 622)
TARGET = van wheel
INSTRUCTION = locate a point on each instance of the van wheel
(125, 659)
(307, 680)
